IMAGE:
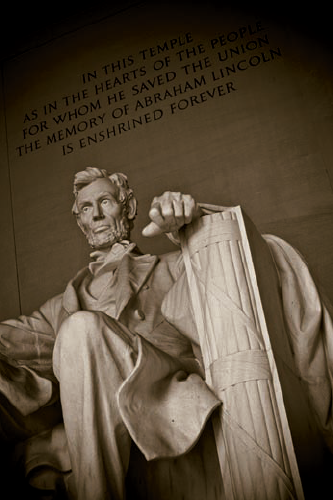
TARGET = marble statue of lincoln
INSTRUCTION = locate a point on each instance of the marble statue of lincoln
(106, 338)
(119, 354)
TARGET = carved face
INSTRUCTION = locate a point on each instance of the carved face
(101, 217)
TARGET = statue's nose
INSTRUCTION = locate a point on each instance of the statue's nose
(97, 211)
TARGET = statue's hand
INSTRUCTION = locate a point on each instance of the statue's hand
(169, 212)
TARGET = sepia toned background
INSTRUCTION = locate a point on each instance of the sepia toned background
(262, 139)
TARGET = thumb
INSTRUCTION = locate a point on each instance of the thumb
(151, 230)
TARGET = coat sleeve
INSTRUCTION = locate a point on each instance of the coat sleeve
(26, 346)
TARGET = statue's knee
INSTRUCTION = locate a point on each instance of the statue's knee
(75, 341)
(77, 328)
(81, 319)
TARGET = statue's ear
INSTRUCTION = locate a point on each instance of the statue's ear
(131, 208)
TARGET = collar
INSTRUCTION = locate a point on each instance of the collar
(108, 260)
(133, 271)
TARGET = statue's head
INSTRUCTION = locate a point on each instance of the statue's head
(104, 206)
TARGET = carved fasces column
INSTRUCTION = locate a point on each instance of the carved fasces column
(252, 433)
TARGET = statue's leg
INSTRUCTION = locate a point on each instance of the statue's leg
(93, 354)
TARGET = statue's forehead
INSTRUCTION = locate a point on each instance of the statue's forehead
(97, 188)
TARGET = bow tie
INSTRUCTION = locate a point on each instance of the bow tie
(109, 260)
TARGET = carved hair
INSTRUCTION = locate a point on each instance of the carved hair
(90, 174)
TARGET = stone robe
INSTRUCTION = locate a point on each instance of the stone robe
(162, 398)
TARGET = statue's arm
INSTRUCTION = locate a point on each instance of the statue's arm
(30, 339)
(26, 344)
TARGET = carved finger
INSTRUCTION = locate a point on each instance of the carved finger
(155, 214)
(178, 208)
(151, 230)
(189, 208)
(168, 214)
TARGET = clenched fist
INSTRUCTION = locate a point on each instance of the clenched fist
(169, 212)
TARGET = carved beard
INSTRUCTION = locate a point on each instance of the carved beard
(119, 232)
